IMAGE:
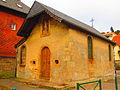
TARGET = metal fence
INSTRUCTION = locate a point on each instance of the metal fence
(97, 84)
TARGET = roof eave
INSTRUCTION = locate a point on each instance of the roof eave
(14, 12)
(20, 42)
(20, 33)
(25, 24)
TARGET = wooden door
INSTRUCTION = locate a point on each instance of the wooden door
(45, 63)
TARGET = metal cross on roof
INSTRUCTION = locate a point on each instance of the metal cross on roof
(92, 21)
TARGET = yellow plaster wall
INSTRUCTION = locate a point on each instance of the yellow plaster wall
(70, 48)
(101, 68)
(57, 42)
(116, 49)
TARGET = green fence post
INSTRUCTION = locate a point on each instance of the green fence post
(14, 89)
(77, 86)
(100, 84)
(116, 82)
(116, 78)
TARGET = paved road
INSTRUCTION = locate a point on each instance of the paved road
(11, 83)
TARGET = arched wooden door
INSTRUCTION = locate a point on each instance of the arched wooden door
(45, 63)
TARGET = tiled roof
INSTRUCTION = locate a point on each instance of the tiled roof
(116, 39)
(38, 8)
(111, 33)
(8, 37)
(7, 42)
(15, 5)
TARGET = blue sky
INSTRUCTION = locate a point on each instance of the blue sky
(106, 13)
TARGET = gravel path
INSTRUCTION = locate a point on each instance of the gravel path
(13, 83)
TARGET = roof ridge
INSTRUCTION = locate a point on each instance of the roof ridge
(46, 7)
(38, 8)
(31, 9)
(66, 15)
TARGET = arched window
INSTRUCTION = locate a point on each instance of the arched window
(109, 47)
(23, 55)
(90, 48)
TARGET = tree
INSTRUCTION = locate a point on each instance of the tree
(117, 32)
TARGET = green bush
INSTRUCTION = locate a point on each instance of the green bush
(3, 76)
(117, 65)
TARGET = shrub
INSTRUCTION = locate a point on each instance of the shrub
(117, 65)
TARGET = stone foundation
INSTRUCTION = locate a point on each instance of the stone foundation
(7, 67)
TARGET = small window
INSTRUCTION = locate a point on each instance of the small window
(20, 6)
(45, 26)
(13, 26)
(34, 62)
(23, 55)
(109, 47)
(56, 61)
(90, 48)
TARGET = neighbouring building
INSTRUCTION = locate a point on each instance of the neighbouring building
(110, 35)
(117, 48)
(61, 50)
(115, 37)
(12, 14)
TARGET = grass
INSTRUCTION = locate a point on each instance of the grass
(48, 88)
(37, 86)
(4, 88)
(7, 76)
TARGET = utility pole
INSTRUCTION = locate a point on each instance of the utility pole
(92, 21)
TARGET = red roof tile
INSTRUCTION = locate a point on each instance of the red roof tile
(116, 39)
(111, 33)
